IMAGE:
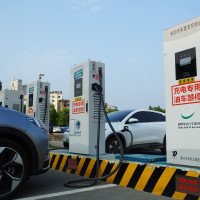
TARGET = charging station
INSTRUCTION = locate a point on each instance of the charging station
(84, 108)
(38, 96)
(182, 91)
(13, 99)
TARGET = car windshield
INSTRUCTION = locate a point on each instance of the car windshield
(118, 116)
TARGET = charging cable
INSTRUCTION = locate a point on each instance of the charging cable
(131, 134)
(73, 184)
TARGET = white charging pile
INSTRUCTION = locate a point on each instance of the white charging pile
(84, 107)
(38, 95)
(182, 86)
(13, 99)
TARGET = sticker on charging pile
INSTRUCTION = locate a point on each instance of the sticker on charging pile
(186, 94)
(78, 99)
(31, 90)
(96, 76)
(30, 113)
(78, 106)
(78, 74)
(72, 164)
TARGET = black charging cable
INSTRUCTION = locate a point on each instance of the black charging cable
(74, 184)
(126, 129)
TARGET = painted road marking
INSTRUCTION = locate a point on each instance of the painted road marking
(69, 192)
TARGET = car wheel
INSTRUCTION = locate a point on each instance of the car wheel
(164, 147)
(113, 146)
(14, 168)
(65, 144)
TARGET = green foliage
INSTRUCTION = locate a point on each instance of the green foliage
(158, 108)
(58, 118)
(111, 110)
(53, 115)
(24, 108)
(63, 117)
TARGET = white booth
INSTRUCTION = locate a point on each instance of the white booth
(182, 91)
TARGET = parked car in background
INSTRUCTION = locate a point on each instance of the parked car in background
(23, 150)
(66, 138)
(65, 128)
(147, 126)
(57, 129)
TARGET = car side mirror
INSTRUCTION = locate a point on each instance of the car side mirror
(132, 120)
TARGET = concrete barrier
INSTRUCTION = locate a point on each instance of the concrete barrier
(153, 178)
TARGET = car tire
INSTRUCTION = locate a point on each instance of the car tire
(14, 168)
(164, 148)
(113, 146)
(65, 144)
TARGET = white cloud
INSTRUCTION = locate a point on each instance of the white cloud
(95, 8)
(89, 4)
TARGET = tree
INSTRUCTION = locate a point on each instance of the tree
(53, 115)
(24, 108)
(63, 117)
(111, 110)
(158, 108)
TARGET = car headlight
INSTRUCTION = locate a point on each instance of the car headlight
(36, 122)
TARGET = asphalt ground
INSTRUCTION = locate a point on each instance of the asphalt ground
(50, 186)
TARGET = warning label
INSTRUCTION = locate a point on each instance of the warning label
(78, 106)
(30, 113)
(186, 94)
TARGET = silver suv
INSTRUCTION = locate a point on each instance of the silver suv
(23, 150)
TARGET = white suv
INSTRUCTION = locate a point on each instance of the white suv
(147, 126)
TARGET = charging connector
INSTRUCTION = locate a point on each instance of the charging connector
(97, 87)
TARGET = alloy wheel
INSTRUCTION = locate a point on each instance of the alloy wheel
(11, 170)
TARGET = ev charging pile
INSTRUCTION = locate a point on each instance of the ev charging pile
(182, 91)
(84, 108)
(38, 94)
(87, 117)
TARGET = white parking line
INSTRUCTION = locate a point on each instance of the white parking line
(68, 192)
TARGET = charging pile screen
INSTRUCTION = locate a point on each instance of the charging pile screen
(78, 87)
(185, 61)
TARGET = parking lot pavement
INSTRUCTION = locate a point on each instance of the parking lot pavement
(50, 185)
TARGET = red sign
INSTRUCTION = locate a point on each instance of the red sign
(78, 106)
(186, 94)
(188, 184)
(30, 113)
(72, 164)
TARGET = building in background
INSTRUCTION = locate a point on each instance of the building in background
(15, 84)
(63, 103)
(110, 108)
(55, 97)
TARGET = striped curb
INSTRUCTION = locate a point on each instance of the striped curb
(159, 180)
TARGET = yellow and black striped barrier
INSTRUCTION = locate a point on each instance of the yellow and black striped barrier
(150, 178)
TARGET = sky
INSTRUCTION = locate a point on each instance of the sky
(50, 36)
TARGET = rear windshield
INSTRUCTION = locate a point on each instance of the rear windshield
(118, 116)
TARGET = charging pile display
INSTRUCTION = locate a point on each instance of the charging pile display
(182, 86)
(84, 108)
(38, 101)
